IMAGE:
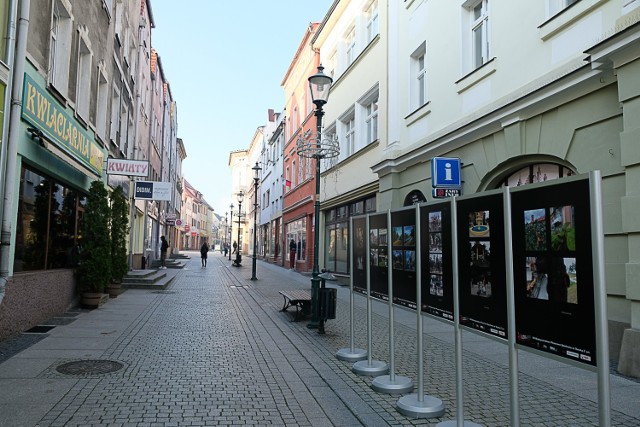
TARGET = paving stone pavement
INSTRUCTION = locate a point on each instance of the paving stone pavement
(215, 349)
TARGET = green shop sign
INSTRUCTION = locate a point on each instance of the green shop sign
(43, 111)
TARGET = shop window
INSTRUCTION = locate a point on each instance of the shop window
(50, 217)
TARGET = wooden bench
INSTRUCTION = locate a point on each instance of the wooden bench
(300, 299)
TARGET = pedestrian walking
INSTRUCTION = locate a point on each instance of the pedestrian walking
(226, 249)
(292, 254)
(235, 247)
(204, 249)
(163, 252)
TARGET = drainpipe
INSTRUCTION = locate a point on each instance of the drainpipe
(133, 151)
(9, 196)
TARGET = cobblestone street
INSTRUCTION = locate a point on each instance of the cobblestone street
(214, 349)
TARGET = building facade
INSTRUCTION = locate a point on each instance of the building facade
(78, 74)
(299, 172)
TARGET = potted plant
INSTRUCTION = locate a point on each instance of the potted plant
(94, 268)
(119, 232)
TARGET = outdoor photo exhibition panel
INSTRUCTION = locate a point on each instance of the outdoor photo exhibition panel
(482, 275)
(379, 256)
(435, 246)
(403, 256)
(553, 271)
(359, 255)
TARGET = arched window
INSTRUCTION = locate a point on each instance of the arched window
(537, 172)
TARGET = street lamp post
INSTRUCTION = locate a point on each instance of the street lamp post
(256, 177)
(319, 85)
(231, 217)
(238, 256)
(226, 228)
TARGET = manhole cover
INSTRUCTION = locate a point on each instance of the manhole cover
(89, 367)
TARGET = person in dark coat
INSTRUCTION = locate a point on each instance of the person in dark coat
(292, 254)
(204, 249)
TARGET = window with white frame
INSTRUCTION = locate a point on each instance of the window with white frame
(556, 6)
(60, 46)
(348, 131)
(330, 68)
(124, 123)
(83, 86)
(371, 121)
(115, 115)
(101, 104)
(293, 174)
(478, 11)
(119, 24)
(371, 14)
(350, 46)
(418, 84)
(130, 133)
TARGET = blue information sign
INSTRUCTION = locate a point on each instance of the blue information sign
(445, 172)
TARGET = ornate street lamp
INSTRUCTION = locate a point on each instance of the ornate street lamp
(230, 228)
(238, 256)
(256, 177)
(316, 148)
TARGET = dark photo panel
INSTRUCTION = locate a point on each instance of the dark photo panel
(378, 233)
(553, 278)
(403, 230)
(482, 270)
(436, 268)
(359, 255)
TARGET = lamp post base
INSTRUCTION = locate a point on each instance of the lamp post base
(373, 368)
(399, 384)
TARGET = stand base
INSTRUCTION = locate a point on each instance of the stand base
(430, 407)
(375, 368)
(351, 356)
(454, 423)
(399, 385)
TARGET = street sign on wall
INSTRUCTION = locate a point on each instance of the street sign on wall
(127, 167)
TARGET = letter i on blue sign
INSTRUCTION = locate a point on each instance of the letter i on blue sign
(445, 172)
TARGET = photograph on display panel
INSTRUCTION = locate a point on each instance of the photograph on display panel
(359, 255)
(482, 269)
(437, 277)
(403, 240)
(378, 259)
(553, 272)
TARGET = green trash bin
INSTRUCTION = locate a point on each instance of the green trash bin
(327, 298)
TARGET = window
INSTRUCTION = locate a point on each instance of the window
(124, 123)
(60, 48)
(418, 85)
(349, 130)
(539, 172)
(83, 87)
(115, 115)
(629, 5)
(371, 121)
(330, 68)
(478, 41)
(372, 20)
(556, 6)
(4, 31)
(293, 175)
(350, 46)
(101, 104)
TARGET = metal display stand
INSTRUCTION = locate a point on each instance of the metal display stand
(418, 405)
(369, 366)
(392, 383)
(351, 354)
(459, 421)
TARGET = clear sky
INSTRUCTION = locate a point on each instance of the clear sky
(224, 61)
